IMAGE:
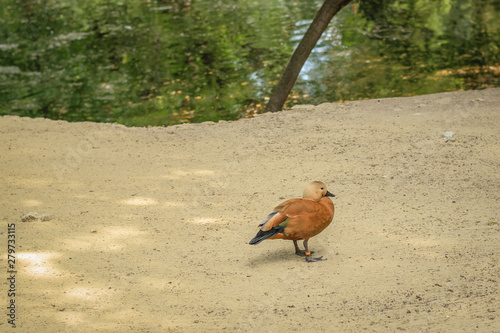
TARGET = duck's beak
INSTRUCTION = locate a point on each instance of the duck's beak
(328, 194)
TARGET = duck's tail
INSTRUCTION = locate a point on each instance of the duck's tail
(263, 235)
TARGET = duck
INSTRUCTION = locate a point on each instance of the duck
(299, 219)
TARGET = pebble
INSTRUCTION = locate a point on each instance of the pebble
(32, 216)
(45, 217)
(448, 135)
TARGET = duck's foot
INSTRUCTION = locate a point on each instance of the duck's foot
(301, 253)
(311, 259)
(307, 253)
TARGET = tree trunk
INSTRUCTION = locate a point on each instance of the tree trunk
(299, 57)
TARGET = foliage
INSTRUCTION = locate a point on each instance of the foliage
(405, 48)
(140, 63)
(170, 61)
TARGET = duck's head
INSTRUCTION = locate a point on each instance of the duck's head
(316, 191)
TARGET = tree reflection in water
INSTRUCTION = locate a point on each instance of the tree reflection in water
(165, 62)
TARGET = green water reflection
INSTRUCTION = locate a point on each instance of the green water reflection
(166, 62)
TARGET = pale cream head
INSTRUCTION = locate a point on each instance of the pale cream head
(315, 191)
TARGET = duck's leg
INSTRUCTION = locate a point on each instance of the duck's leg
(308, 254)
(298, 251)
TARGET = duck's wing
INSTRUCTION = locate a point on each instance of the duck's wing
(278, 216)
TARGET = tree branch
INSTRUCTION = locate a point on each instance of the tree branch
(299, 57)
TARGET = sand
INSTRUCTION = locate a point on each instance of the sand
(147, 229)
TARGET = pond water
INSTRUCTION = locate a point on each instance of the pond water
(170, 61)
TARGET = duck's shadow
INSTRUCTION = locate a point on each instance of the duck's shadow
(273, 256)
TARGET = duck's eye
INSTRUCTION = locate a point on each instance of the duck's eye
(322, 188)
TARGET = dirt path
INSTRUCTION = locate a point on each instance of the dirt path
(149, 226)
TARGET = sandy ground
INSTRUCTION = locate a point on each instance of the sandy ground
(149, 227)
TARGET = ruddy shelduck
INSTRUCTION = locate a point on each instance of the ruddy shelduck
(299, 219)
